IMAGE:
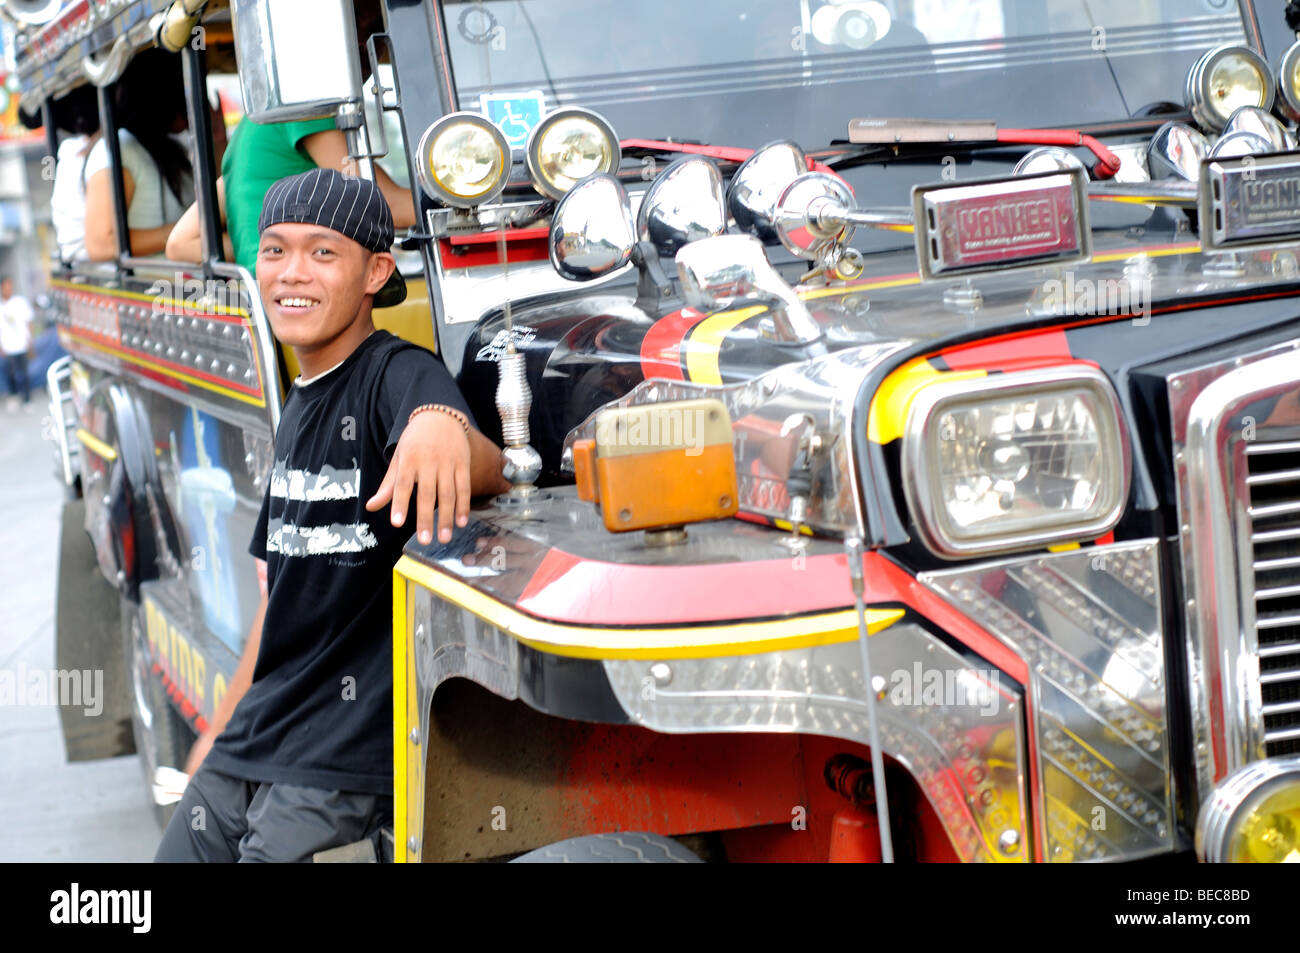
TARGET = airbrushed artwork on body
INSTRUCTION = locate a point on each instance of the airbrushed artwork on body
(329, 484)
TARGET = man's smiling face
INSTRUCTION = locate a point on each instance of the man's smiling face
(314, 282)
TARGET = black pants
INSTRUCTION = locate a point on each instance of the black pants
(221, 819)
(16, 375)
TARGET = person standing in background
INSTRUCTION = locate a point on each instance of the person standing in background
(15, 340)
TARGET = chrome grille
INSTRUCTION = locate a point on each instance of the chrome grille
(1274, 514)
(1236, 449)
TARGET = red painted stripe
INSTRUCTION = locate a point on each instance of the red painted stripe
(1011, 351)
(568, 589)
(661, 348)
(154, 359)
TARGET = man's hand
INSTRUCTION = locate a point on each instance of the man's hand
(433, 456)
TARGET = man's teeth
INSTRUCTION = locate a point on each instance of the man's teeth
(298, 302)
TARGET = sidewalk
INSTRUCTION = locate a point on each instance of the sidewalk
(49, 810)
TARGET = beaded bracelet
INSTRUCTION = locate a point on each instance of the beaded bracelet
(443, 408)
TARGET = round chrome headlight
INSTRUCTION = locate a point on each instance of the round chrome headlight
(1288, 83)
(463, 160)
(1253, 816)
(1225, 79)
(567, 146)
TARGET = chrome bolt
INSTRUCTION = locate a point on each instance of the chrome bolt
(419, 632)
(413, 845)
(661, 672)
(415, 736)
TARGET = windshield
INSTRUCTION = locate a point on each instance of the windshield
(744, 72)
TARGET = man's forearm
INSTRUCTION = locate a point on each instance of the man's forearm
(243, 676)
(485, 466)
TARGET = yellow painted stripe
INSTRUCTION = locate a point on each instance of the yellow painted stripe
(179, 304)
(706, 338)
(697, 641)
(887, 417)
(402, 748)
(1062, 547)
(97, 446)
(1189, 249)
(169, 372)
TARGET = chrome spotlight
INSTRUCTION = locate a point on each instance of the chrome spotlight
(1047, 159)
(463, 160)
(683, 205)
(1288, 84)
(1240, 144)
(1176, 151)
(1223, 80)
(567, 146)
(757, 186)
(592, 233)
(1261, 123)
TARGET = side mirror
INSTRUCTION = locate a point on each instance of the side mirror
(757, 186)
(683, 205)
(724, 271)
(298, 58)
(592, 233)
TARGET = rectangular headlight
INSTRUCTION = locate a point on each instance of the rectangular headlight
(1015, 461)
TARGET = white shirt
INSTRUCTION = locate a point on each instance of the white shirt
(152, 202)
(15, 325)
(68, 199)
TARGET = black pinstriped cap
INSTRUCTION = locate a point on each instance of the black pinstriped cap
(345, 204)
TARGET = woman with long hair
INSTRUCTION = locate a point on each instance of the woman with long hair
(156, 172)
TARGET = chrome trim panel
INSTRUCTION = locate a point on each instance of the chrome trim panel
(63, 419)
(1088, 623)
(967, 758)
(1214, 412)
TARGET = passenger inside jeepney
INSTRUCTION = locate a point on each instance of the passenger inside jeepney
(77, 114)
(263, 153)
(156, 174)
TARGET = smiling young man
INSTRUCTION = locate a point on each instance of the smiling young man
(298, 757)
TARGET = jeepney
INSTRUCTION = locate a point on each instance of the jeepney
(902, 409)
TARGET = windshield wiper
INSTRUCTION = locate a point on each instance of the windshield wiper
(970, 134)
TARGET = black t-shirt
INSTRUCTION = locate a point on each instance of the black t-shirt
(319, 712)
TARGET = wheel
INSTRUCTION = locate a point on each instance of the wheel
(629, 847)
(162, 737)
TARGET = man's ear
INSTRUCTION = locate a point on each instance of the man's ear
(382, 264)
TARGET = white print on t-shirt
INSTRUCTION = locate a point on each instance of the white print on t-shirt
(329, 484)
(290, 540)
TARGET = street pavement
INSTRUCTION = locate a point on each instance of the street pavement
(49, 810)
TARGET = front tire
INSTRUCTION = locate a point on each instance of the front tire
(162, 737)
(628, 847)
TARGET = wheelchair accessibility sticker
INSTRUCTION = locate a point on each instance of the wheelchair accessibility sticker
(515, 113)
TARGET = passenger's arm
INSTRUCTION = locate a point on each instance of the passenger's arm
(101, 228)
(329, 150)
(239, 683)
(186, 240)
